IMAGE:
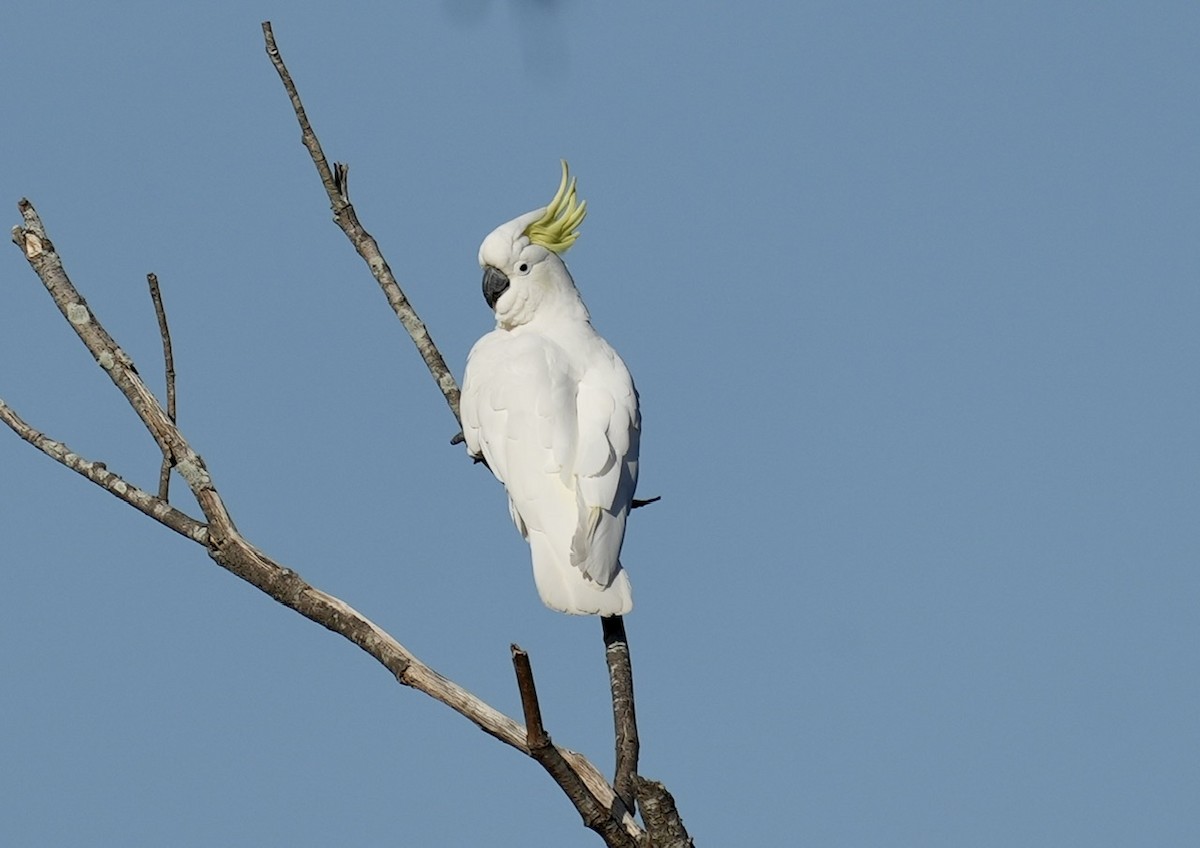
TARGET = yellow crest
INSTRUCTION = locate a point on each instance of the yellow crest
(558, 227)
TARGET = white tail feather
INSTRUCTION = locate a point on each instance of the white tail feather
(564, 587)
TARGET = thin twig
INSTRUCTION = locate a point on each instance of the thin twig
(98, 473)
(164, 474)
(335, 182)
(620, 678)
(593, 813)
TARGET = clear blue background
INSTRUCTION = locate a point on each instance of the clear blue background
(911, 293)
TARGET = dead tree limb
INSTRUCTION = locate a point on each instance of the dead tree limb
(114, 484)
(335, 182)
(594, 814)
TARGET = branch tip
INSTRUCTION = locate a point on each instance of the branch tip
(335, 182)
(535, 733)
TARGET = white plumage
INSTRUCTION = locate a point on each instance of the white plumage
(551, 407)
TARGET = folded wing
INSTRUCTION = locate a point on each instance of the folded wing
(560, 430)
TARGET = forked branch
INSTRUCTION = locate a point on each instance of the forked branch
(594, 814)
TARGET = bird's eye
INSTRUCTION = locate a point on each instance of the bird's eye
(523, 268)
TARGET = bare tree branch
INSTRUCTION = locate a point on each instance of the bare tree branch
(593, 813)
(164, 474)
(335, 182)
(620, 678)
(535, 733)
(98, 473)
(40, 253)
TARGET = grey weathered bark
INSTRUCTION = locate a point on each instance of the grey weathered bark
(335, 182)
(620, 679)
(664, 827)
(594, 814)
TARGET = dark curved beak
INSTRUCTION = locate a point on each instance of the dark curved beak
(494, 285)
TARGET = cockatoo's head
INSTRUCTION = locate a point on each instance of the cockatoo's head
(522, 272)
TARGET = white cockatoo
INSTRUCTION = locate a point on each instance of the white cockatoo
(552, 409)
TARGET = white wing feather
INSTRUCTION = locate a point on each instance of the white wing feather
(557, 422)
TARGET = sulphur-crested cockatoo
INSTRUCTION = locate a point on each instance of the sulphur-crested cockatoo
(552, 409)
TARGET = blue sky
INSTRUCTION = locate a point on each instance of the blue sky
(911, 296)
